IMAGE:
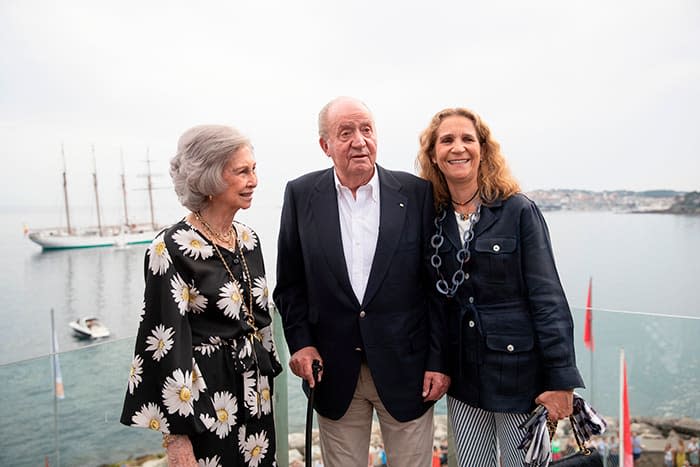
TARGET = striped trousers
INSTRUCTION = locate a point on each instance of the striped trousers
(485, 439)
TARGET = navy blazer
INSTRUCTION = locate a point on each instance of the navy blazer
(510, 327)
(392, 325)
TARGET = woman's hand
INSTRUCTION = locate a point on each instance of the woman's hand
(559, 404)
(179, 451)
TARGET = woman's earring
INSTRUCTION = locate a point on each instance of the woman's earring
(210, 197)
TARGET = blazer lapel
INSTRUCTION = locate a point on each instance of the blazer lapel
(489, 215)
(392, 215)
(450, 229)
(326, 220)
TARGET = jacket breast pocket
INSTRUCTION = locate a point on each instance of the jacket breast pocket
(497, 252)
(511, 363)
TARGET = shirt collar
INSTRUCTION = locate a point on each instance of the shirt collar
(373, 184)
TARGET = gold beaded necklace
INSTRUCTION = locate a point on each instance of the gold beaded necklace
(227, 239)
(247, 308)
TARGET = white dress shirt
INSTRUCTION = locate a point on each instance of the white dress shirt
(359, 230)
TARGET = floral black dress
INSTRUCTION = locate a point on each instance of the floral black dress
(199, 367)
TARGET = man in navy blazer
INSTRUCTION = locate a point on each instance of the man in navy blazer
(353, 292)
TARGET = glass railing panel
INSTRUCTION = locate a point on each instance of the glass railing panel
(661, 353)
(663, 373)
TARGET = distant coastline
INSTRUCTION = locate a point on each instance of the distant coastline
(638, 202)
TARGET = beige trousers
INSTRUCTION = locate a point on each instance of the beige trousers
(345, 442)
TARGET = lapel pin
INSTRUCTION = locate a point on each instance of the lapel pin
(401, 204)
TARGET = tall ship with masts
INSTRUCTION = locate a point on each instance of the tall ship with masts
(126, 233)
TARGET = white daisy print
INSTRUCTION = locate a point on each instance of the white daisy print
(160, 342)
(181, 293)
(231, 300)
(268, 341)
(207, 349)
(265, 395)
(158, 256)
(151, 417)
(177, 393)
(225, 406)
(187, 296)
(241, 438)
(250, 395)
(246, 350)
(193, 244)
(143, 311)
(258, 397)
(198, 383)
(206, 462)
(246, 237)
(260, 292)
(255, 448)
(135, 373)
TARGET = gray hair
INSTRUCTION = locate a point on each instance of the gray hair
(323, 114)
(197, 168)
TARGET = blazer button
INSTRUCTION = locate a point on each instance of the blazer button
(471, 323)
(466, 275)
(510, 347)
(471, 299)
(362, 314)
(357, 349)
(497, 248)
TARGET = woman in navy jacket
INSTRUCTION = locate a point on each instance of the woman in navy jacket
(510, 328)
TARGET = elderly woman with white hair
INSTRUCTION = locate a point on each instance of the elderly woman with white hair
(204, 361)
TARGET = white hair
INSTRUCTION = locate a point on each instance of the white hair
(197, 168)
(323, 114)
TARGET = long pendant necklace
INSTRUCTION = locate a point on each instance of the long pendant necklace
(247, 309)
(463, 255)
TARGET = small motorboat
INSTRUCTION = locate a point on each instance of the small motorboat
(89, 326)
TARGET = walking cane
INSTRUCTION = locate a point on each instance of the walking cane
(316, 368)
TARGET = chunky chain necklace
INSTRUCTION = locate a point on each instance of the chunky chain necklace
(463, 255)
(247, 308)
(227, 238)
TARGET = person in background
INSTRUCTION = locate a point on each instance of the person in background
(693, 451)
(556, 448)
(668, 455)
(602, 447)
(614, 452)
(679, 453)
(444, 453)
(636, 446)
(204, 360)
(380, 460)
(511, 331)
(353, 294)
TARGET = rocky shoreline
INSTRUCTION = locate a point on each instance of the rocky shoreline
(655, 432)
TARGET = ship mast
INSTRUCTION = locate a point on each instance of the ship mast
(126, 212)
(65, 191)
(97, 196)
(150, 188)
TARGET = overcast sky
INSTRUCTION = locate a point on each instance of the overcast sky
(581, 94)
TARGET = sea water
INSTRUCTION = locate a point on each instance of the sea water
(646, 264)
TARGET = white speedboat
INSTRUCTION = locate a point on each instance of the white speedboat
(89, 326)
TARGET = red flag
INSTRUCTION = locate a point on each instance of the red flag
(626, 459)
(588, 326)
